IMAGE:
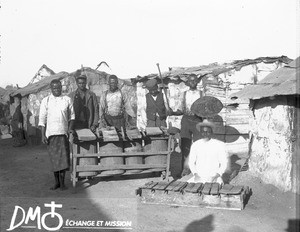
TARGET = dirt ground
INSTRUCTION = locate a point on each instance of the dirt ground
(26, 178)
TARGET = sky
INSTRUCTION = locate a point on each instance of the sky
(132, 36)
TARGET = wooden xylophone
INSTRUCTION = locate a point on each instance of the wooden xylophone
(209, 195)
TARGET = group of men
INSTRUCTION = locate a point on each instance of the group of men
(61, 115)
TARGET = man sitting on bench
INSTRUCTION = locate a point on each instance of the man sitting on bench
(208, 157)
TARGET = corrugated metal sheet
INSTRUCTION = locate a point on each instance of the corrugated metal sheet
(282, 81)
(214, 69)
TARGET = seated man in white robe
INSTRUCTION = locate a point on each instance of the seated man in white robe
(208, 157)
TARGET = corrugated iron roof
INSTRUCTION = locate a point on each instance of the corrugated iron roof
(214, 69)
(282, 81)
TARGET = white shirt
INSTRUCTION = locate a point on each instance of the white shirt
(190, 97)
(55, 113)
(208, 158)
(111, 103)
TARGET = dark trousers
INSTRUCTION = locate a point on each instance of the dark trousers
(116, 121)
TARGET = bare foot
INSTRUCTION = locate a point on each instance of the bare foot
(56, 186)
(63, 187)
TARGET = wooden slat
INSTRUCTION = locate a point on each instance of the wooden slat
(152, 185)
(133, 134)
(110, 135)
(226, 189)
(215, 189)
(196, 187)
(85, 135)
(173, 185)
(180, 186)
(161, 186)
(153, 131)
(236, 190)
(146, 185)
(237, 119)
(189, 187)
(108, 154)
(118, 166)
(206, 189)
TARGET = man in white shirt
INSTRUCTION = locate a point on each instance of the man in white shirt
(189, 120)
(56, 120)
(208, 158)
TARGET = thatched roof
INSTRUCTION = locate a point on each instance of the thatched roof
(282, 81)
(43, 72)
(95, 77)
(214, 69)
(40, 85)
(2, 91)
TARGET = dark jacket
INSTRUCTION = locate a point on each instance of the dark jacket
(86, 109)
(154, 107)
(16, 119)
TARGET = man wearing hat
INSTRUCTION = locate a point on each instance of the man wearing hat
(189, 119)
(208, 158)
(85, 105)
(113, 106)
(156, 107)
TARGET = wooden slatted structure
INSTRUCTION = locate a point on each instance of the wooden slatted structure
(210, 195)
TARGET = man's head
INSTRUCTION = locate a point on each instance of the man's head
(206, 132)
(17, 99)
(81, 82)
(206, 129)
(56, 87)
(152, 86)
(192, 81)
(113, 83)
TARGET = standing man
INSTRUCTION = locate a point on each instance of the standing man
(189, 120)
(86, 106)
(156, 106)
(208, 158)
(56, 121)
(113, 105)
(17, 123)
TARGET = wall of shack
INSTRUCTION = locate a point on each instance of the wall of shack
(274, 143)
(31, 103)
(234, 120)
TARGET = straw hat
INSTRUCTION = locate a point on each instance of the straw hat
(81, 76)
(150, 84)
(205, 122)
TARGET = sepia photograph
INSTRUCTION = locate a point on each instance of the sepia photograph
(150, 115)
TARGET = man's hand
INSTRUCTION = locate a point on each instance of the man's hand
(197, 177)
(170, 112)
(44, 139)
(71, 138)
(93, 128)
(177, 113)
(214, 178)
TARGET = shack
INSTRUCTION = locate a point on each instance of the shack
(217, 80)
(274, 127)
(33, 93)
